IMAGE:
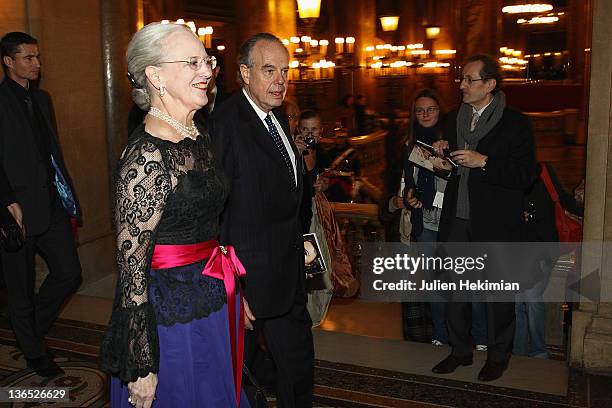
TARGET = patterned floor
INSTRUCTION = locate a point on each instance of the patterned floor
(75, 345)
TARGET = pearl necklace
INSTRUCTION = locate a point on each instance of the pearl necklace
(185, 131)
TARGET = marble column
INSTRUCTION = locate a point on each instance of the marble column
(579, 27)
(591, 336)
(274, 16)
(479, 22)
(578, 35)
(443, 16)
(13, 17)
(408, 26)
(116, 30)
(255, 16)
(157, 10)
(69, 37)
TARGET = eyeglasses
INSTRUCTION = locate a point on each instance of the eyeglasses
(430, 110)
(469, 80)
(196, 63)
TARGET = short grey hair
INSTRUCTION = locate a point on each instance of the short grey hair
(245, 52)
(147, 48)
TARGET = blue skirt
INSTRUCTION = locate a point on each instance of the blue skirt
(195, 368)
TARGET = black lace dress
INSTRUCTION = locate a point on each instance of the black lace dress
(166, 193)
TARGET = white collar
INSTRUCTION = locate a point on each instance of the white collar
(262, 115)
(481, 110)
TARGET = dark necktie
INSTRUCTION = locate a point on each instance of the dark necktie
(276, 137)
(28, 102)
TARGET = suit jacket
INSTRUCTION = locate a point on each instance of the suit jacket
(496, 194)
(261, 217)
(19, 157)
(7, 196)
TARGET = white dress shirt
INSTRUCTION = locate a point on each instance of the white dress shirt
(262, 115)
(481, 110)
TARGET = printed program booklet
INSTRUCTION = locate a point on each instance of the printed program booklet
(313, 260)
(424, 156)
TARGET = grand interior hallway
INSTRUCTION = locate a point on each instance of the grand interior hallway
(361, 362)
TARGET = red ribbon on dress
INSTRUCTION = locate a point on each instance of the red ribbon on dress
(222, 264)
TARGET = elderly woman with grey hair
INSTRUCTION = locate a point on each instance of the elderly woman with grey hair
(175, 334)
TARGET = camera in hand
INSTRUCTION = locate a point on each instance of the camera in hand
(310, 142)
(418, 192)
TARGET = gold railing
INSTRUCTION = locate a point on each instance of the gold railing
(371, 154)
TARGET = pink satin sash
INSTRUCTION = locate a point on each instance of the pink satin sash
(222, 264)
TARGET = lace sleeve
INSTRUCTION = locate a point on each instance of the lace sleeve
(130, 346)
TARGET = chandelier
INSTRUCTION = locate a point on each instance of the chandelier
(538, 20)
(386, 60)
(511, 59)
(309, 57)
(527, 8)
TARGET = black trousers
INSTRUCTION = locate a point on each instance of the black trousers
(31, 314)
(288, 340)
(500, 316)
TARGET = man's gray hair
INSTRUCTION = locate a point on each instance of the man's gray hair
(245, 56)
(147, 48)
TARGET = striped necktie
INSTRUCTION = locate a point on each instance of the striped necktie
(276, 137)
(475, 117)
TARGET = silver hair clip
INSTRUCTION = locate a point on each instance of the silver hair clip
(132, 80)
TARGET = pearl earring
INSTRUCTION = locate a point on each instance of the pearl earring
(162, 91)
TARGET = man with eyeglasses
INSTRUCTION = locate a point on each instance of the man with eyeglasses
(494, 148)
(252, 142)
(40, 198)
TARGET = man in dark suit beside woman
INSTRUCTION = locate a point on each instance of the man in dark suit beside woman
(495, 150)
(39, 195)
(252, 141)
